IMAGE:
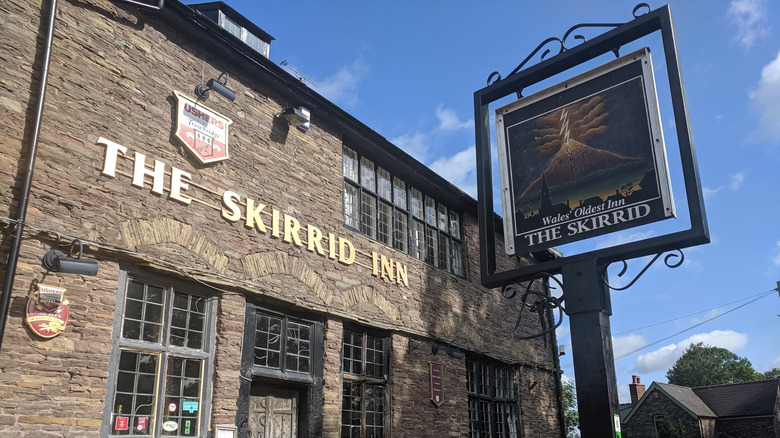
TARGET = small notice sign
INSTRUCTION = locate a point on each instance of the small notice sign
(121, 423)
(437, 393)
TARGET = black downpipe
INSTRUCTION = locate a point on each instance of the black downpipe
(13, 255)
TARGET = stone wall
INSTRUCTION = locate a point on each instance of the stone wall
(642, 423)
(112, 74)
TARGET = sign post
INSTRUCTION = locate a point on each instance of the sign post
(589, 308)
(579, 160)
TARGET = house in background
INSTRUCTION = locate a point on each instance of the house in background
(750, 409)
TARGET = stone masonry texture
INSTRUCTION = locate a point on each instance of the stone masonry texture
(113, 71)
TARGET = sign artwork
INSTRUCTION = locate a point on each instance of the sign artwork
(583, 158)
(47, 311)
(203, 131)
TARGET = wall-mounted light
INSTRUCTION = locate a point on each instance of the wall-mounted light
(299, 117)
(202, 91)
(451, 351)
(68, 264)
(561, 350)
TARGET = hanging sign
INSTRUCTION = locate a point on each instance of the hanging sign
(584, 158)
(47, 311)
(203, 131)
(437, 393)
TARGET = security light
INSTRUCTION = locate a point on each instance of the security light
(299, 117)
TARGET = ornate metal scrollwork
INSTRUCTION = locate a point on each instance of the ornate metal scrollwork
(667, 261)
(536, 302)
(561, 43)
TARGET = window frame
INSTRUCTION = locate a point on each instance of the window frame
(494, 390)
(282, 373)
(163, 350)
(363, 379)
(366, 202)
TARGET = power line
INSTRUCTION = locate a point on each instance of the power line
(763, 295)
(691, 314)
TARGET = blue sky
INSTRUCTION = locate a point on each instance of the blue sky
(409, 70)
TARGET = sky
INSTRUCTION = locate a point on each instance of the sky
(409, 70)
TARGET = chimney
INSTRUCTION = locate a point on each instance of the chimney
(636, 388)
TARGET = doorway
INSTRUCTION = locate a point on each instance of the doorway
(273, 412)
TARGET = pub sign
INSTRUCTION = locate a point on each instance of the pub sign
(583, 158)
(202, 130)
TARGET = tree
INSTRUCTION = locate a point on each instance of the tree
(667, 429)
(571, 417)
(703, 365)
(774, 373)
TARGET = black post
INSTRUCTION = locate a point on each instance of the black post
(586, 298)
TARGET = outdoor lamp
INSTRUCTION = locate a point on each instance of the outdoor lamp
(57, 261)
(451, 351)
(202, 91)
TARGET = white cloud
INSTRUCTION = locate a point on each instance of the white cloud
(562, 333)
(415, 144)
(623, 237)
(750, 18)
(737, 179)
(459, 169)
(766, 99)
(735, 183)
(776, 256)
(449, 121)
(664, 358)
(776, 362)
(626, 344)
(709, 193)
(341, 88)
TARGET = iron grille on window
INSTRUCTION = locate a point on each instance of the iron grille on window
(385, 208)
(364, 375)
(162, 355)
(492, 400)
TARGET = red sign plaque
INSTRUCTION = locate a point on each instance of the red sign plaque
(437, 393)
(47, 311)
(203, 131)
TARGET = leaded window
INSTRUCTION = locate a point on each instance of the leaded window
(163, 359)
(384, 207)
(492, 400)
(283, 343)
(364, 374)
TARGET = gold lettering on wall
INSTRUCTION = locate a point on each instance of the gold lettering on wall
(284, 226)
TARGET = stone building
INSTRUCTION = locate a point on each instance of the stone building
(748, 409)
(263, 266)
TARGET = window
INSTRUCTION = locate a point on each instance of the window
(230, 25)
(163, 361)
(283, 343)
(492, 400)
(364, 375)
(383, 207)
(243, 34)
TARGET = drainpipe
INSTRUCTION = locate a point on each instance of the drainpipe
(13, 256)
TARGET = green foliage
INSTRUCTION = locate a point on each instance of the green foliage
(774, 373)
(571, 417)
(667, 429)
(703, 365)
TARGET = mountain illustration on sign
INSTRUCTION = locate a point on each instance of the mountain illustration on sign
(575, 174)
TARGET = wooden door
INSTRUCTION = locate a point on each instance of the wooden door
(273, 413)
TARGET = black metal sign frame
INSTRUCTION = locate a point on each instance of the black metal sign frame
(610, 41)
